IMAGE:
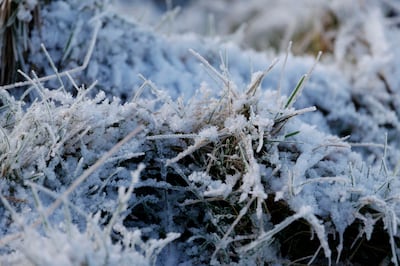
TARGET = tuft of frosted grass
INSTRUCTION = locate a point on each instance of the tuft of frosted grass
(233, 141)
(67, 245)
(238, 120)
(389, 217)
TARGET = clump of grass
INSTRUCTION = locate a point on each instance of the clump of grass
(93, 246)
(226, 138)
(230, 152)
(49, 145)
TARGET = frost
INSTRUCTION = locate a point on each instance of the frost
(212, 188)
(25, 9)
(75, 248)
(199, 177)
(217, 188)
(24, 14)
(210, 133)
(184, 148)
(235, 124)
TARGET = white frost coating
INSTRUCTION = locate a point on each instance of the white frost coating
(279, 195)
(320, 230)
(235, 124)
(24, 14)
(210, 133)
(375, 33)
(252, 179)
(31, 4)
(217, 189)
(265, 237)
(25, 9)
(199, 177)
(263, 124)
(90, 247)
(212, 188)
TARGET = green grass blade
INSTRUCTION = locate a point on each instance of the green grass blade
(296, 90)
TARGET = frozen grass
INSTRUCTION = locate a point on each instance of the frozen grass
(242, 169)
(16, 19)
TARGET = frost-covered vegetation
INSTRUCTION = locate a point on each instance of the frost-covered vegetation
(127, 139)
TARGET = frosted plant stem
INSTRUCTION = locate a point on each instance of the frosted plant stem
(295, 113)
(320, 231)
(197, 145)
(15, 216)
(172, 136)
(223, 242)
(325, 179)
(366, 144)
(40, 208)
(159, 94)
(123, 198)
(168, 19)
(265, 237)
(210, 67)
(257, 82)
(53, 66)
(314, 256)
(289, 48)
(300, 85)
